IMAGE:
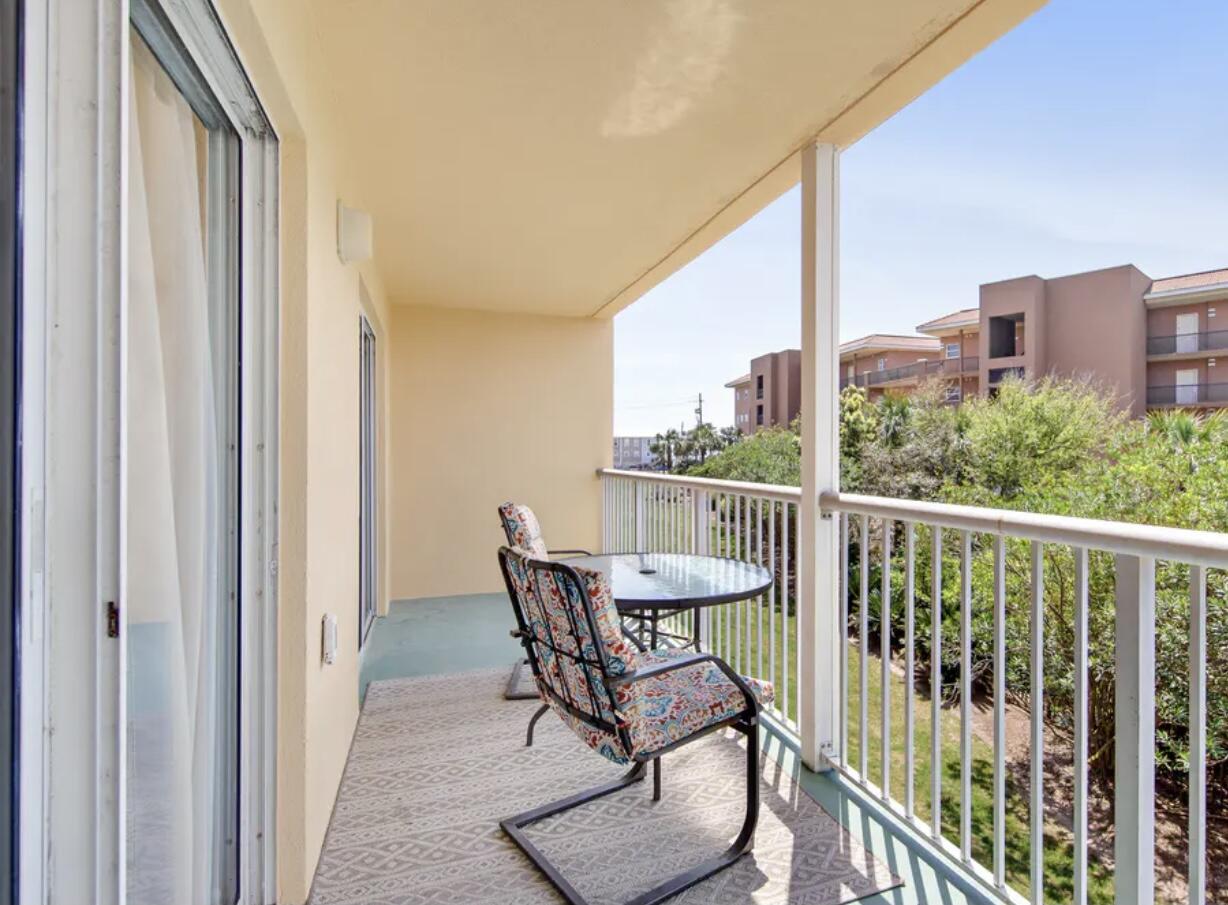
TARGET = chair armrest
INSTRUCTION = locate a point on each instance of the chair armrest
(568, 553)
(681, 662)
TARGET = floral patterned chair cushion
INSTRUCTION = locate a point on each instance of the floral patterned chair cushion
(675, 705)
(523, 529)
(655, 712)
(551, 606)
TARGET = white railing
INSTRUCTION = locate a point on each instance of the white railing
(757, 523)
(903, 538)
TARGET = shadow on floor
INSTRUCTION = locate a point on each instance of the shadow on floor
(436, 635)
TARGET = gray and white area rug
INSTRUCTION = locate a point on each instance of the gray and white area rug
(438, 761)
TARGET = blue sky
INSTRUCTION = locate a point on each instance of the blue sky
(1093, 135)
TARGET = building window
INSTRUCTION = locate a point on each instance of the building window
(758, 386)
(953, 393)
(952, 350)
(882, 364)
(759, 415)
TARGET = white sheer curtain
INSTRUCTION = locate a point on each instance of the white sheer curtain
(174, 514)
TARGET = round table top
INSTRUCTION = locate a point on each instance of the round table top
(645, 581)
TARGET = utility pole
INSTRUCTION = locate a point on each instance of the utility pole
(699, 412)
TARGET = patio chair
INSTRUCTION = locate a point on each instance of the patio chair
(628, 705)
(524, 532)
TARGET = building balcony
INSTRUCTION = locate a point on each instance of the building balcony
(1187, 345)
(452, 654)
(913, 373)
(386, 351)
(1198, 395)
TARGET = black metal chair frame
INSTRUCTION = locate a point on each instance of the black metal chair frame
(746, 721)
(512, 692)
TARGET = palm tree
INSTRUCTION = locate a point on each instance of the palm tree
(894, 414)
(705, 440)
(1184, 428)
(662, 446)
(729, 436)
(686, 451)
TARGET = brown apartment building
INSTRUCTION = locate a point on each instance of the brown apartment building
(771, 394)
(1154, 343)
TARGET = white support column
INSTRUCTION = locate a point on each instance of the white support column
(1134, 705)
(818, 550)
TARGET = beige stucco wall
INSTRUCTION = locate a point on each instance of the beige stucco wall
(486, 408)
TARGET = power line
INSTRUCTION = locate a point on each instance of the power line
(656, 405)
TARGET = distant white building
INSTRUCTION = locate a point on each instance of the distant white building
(633, 453)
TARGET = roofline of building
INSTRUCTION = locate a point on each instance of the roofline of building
(932, 327)
(738, 381)
(1186, 296)
(885, 344)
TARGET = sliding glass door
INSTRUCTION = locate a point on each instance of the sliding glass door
(180, 484)
(149, 453)
(367, 532)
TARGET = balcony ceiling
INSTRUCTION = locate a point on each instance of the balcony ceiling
(562, 156)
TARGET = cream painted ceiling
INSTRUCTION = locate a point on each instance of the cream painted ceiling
(550, 156)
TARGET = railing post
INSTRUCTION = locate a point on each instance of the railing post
(703, 544)
(640, 515)
(1134, 713)
(818, 550)
(607, 512)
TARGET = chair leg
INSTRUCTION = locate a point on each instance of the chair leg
(510, 692)
(528, 738)
(514, 827)
(656, 779)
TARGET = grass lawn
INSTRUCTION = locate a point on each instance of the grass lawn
(1059, 844)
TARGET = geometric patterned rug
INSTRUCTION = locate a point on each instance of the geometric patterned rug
(438, 761)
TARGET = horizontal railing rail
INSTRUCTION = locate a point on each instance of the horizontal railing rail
(1208, 548)
(1188, 394)
(896, 612)
(1188, 343)
(919, 369)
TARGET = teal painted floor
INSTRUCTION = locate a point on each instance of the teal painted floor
(454, 634)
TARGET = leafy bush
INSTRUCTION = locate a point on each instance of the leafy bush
(1053, 446)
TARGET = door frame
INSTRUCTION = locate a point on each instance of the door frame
(10, 370)
(368, 478)
(75, 78)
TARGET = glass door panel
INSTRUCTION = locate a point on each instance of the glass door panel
(180, 492)
(367, 483)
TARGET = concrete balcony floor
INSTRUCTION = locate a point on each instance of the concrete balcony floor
(455, 634)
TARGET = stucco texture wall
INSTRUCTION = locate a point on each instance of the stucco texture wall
(1097, 325)
(487, 408)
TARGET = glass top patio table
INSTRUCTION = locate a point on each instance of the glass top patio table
(674, 581)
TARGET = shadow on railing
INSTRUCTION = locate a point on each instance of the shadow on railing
(928, 595)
